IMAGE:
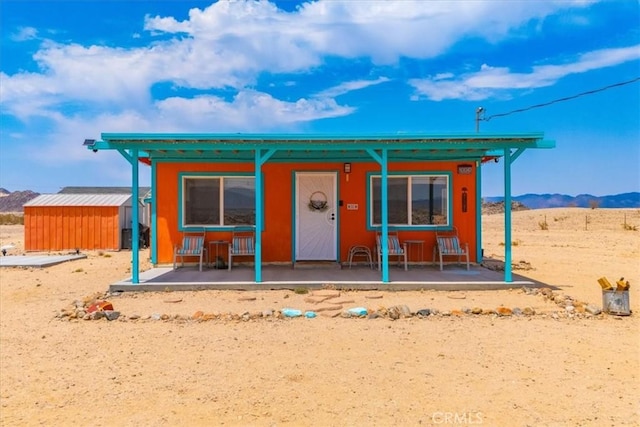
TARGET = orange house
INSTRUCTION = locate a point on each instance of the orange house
(312, 197)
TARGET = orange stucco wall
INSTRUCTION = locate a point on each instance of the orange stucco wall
(56, 228)
(278, 187)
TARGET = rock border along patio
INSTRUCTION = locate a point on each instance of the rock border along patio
(330, 303)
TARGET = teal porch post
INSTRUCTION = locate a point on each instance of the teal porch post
(478, 212)
(384, 211)
(507, 216)
(135, 227)
(154, 214)
(132, 158)
(259, 207)
(385, 217)
(259, 160)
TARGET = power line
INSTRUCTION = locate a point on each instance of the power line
(567, 98)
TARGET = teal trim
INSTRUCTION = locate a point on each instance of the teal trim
(294, 201)
(507, 216)
(259, 209)
(126, 155)
(385, 216)
(338, 213)
(516, 154)
(408, 227)
(154, 213)
(294, 204)
(135, 218)
(478, 212)
(213, 228)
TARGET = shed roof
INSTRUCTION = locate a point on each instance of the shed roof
(79, 200)
(102, 190)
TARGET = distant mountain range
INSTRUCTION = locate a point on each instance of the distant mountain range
(541, 201)
(13, 201)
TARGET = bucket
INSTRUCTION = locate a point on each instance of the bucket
(616, 302)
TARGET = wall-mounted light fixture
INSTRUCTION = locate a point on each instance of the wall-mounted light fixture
(347, 168)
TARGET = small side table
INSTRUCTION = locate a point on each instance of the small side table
(360, 250)
(217, 244)
(419, 244)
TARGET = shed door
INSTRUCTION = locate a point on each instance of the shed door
(316, 235)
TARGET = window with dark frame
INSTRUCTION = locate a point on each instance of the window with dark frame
(413, 200)
(218, 201)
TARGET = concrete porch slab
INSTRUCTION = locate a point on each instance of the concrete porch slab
(286, 277)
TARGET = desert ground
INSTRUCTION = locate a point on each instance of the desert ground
(157, 365)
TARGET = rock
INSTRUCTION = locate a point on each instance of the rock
(373, 296)
(247, 298)
(517, 311)
(423, 312)
(267, 313)
(393, 313)
(197, 315)
(592, 309)
(97, 315)
(476, 310)
(488, 311)
(457, 313)
(404, 310)
(446, 313)
(570, 309)
(528, 311)
(111, 314)
(374, 315)
(504, 311)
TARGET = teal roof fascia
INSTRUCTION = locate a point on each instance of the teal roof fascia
(294, 142)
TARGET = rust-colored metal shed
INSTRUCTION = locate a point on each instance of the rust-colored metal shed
(55, 222)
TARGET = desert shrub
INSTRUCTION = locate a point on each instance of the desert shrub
(301, 290)
(11, 219)
(543, 225)
(594, 204)
(629, 227)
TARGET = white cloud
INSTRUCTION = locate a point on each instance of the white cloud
(491, 81)
(24, 33)
(351, 86)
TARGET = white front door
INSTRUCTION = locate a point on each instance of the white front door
(316, 236)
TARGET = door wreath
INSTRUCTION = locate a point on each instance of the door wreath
(318, 201)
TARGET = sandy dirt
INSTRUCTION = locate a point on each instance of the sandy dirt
(548, 369)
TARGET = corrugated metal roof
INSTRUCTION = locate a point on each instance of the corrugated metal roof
(79, 200)
(142, 191)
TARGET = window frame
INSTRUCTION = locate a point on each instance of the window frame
(447, 175)
(184, 176)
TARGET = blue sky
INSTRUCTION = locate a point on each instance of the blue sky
(70, 70)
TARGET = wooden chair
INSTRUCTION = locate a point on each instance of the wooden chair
(243, 243)
(192, 246)
(448, 244)
(394, 248)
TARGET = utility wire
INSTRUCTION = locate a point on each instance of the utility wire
(589, 92)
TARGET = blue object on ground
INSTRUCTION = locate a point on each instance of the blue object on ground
(358, 311)
(291, 312)
(310, 314)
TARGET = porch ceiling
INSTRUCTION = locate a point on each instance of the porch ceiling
(301, 147)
